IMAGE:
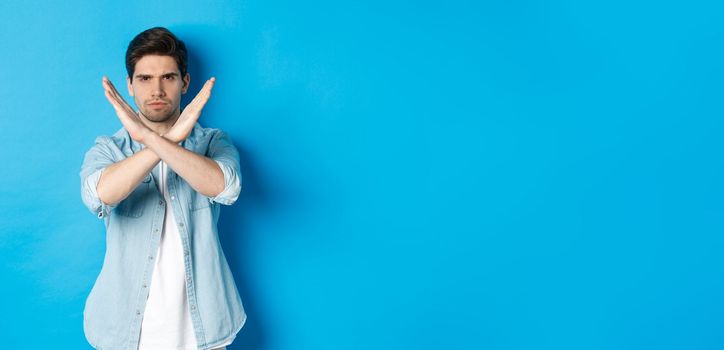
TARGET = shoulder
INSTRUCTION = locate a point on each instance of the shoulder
(119, 139)
(205, 135)
(203, 131)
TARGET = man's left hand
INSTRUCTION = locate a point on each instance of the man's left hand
(191, 113)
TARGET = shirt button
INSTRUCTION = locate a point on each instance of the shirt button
(144, 286)
(138, 312)
(186, 252)
(160, 202)
(172, 197)
(193, 307)
(150, 257)
(181, 224)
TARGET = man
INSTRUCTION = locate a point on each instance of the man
(158, 183)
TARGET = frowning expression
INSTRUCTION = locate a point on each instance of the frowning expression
(157, 86)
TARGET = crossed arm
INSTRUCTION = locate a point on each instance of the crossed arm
(202, 173)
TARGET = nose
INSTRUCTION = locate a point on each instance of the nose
(157, 89)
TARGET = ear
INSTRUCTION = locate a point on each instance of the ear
(186, 80)
(129, 85)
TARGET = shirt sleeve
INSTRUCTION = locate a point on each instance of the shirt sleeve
(224, 153)
(95, 161)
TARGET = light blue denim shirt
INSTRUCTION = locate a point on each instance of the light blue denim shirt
(115, 306)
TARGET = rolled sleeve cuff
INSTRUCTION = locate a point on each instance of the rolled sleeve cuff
(97, 206)
(232, 185)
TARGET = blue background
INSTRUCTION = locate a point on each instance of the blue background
(416, 175)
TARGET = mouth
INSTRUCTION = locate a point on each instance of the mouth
(157, 105)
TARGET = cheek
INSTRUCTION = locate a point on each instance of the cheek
(138, 92)
(175, 91)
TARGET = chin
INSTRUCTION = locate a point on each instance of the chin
(158, 118)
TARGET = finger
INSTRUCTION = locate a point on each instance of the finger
(119, 104)
(204, 94)
(113, 90)
(206, 89)
(117, 100)
(108, 86)
(121, 111)
(210, 85)
(116, 94)
(112, 100)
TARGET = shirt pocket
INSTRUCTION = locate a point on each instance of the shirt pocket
(132, 206)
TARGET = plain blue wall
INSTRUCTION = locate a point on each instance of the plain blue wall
(417, 175)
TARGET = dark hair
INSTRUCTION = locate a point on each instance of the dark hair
(156, 41)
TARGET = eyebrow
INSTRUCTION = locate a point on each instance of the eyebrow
(171, 74)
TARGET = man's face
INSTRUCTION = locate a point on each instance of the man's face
(157, 87)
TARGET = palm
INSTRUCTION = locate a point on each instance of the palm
(185, 123)
(126, 114)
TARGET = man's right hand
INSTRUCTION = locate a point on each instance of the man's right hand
(126, 114)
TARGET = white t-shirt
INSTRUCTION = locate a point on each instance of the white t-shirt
(166, 321)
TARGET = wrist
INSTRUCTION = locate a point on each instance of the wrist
(144, 135)
(171, 137)
(149, 138)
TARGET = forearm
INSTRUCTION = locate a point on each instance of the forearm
(201, 173)
(119, 179)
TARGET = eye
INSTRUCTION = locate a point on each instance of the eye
(170, 77)
(143, 78)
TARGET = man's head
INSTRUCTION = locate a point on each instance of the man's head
(157, 76)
